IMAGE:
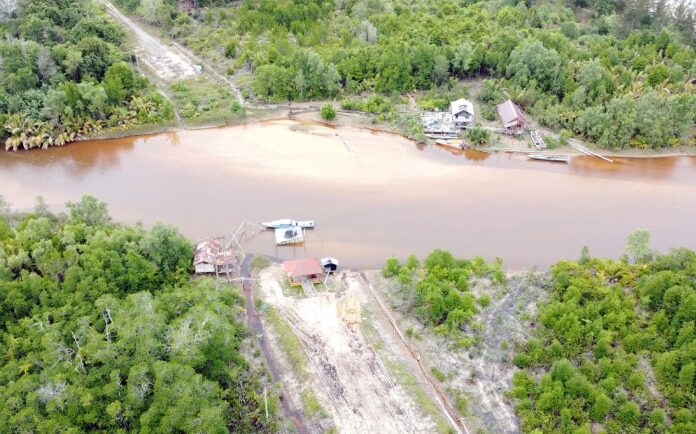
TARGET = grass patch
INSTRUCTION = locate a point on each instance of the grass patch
(438, 374)
(410, 383)
(199, 101)
(311, 404)
(289, 343)
(258, 263)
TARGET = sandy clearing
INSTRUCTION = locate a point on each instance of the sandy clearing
(483, 373)
(347, 375)
(167, 63)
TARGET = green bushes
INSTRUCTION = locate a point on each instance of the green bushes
(478, 135)
(438, 289)
(328, 112)
(602, 319)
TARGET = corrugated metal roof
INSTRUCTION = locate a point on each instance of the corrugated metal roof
(462, 105)
(510, 114)
(303, 267)
(208, 252)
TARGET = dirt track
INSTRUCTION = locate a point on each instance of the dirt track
(168, 64)
(346, 374)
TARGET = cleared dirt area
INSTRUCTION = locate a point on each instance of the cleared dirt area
(345, 373)
(166, 62)
(478, 374)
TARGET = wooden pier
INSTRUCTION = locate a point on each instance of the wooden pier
(580, 147)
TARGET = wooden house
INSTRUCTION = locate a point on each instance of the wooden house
(209, 258)
(300, 270)
(511, 116)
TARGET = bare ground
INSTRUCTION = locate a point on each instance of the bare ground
(164, 61)
(482, 373)
(346, 374)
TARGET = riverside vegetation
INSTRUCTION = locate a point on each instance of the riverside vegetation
(614, 349)
(63, 76)
(101, 330)
(620, 74)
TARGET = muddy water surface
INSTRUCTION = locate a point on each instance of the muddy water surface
(372, 194)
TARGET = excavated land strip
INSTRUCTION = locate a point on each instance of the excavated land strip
(346, 372)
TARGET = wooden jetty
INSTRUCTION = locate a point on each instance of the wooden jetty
(537, 140)
(576, 145)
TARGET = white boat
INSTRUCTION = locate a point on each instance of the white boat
(329, 264)
(289, 235)
(288, 223)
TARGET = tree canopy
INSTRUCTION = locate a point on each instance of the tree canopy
(101, 330)
(615, 346)
(63, 75)
(594, 67)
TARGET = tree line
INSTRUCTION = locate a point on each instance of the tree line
(64, 76)
(593, 67)
(101, 330)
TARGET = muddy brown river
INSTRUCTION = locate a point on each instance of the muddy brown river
(372, 194)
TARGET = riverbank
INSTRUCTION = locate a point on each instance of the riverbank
(309, 112)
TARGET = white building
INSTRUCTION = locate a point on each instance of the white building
(462, 113)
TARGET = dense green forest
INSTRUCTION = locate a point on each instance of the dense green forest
(101, 330)
(615, 346)
(63, 75)
(619, 73)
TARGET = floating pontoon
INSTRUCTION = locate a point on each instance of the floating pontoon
(289, 235)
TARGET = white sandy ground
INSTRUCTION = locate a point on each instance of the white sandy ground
(346, 374)
(483, 373)
(164, 61)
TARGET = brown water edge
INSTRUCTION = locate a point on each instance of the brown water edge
(374, 196)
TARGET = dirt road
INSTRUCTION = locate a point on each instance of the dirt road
(167, 63)
(254, 323)
(346, 374)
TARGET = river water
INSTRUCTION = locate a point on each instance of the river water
(372, 194)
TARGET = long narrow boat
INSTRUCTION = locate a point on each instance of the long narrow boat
(456, 144)
(288, 223)
(551, 158)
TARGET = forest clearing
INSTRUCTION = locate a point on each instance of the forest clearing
(355, 392)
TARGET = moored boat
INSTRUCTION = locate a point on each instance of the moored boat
(288, 223)
(551, 158)
(456, 144)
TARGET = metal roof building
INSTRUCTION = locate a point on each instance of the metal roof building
(303, 269)
(510, 115)
(462, 113)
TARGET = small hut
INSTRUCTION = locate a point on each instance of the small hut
(300, 270)
(511, 116)
(205, 256)
(209, 258)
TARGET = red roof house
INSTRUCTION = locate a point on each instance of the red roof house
(301, 269)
